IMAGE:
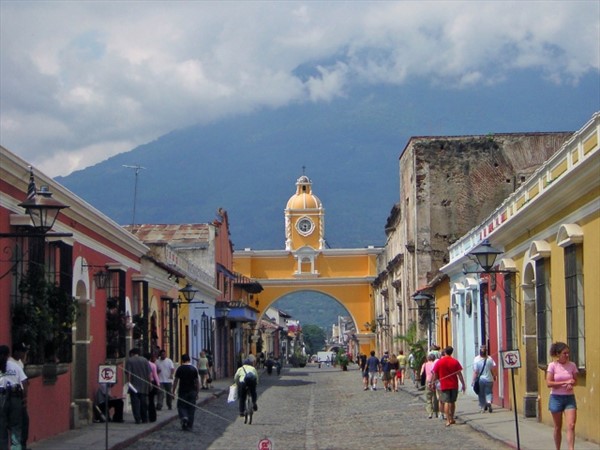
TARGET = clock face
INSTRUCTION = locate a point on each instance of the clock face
(305, 226)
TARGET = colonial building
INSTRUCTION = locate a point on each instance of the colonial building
(448, 185)
(544, 285)
(80, 293)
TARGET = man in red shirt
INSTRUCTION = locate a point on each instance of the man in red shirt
(448, 370)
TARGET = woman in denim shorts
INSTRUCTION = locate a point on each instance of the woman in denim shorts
(561, 376)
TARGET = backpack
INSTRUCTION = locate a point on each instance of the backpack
(250, 376)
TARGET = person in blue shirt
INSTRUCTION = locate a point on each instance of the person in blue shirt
(373, 366)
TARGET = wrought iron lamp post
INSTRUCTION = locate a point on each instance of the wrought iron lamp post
(423, 301)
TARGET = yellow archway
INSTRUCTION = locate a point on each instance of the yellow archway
(306, 264)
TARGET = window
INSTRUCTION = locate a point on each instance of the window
(543, 311)
(574, 299)
(509, 307)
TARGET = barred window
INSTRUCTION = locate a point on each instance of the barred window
(574, 303)
(543, 310)
(509, 306)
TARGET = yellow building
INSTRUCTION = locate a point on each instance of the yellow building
(307, 265)
(549, 232)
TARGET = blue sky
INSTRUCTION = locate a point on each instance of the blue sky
(82, 81)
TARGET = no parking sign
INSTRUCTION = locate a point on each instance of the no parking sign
(107, 374)
(511, 359)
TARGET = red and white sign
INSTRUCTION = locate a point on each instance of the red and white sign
(265, 444)
(107, 374)
(511, 359)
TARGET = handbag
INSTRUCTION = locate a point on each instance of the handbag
(233, 393)
(476, 382)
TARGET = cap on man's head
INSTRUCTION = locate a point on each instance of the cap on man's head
(247, 362)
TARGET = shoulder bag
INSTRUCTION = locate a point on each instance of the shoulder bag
(476, 382)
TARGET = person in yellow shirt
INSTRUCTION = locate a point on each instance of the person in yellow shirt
(401, 373)
(246, 379)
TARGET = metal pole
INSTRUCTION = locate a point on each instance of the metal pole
(512, 373)
(106, 397)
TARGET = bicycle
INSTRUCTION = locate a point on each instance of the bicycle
(249, 409)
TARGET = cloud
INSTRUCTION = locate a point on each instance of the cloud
(78, 77)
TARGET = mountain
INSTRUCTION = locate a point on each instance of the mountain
(248, 164)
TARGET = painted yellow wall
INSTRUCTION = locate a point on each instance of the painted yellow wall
(587, 390)
(353, 275)
(443, 327)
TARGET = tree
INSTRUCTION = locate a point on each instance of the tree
(314, 338)
(418, 348)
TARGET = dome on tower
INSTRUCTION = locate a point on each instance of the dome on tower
(304, 198)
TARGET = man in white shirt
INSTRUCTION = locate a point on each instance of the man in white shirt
(166, 370)
(13, 396)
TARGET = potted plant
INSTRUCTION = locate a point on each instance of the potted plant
(342, 359)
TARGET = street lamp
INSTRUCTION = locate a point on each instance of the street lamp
(485, 255)
(423, 303)
(189, 292)
(43, 210)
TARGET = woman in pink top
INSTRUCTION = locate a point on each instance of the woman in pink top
(154, 386)
(431, 401)
(560, 378)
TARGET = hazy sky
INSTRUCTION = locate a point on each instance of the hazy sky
(83, 80)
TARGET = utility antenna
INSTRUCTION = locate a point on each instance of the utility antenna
(137, 171)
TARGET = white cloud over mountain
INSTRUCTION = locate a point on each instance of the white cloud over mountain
(81, 81)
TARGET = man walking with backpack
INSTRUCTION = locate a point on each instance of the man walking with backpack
(246, 379)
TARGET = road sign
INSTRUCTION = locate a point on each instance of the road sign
(265, 444)
(511, 359)
(107, 374)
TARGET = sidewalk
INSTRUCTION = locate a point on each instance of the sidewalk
(120, 435)
(500, 425)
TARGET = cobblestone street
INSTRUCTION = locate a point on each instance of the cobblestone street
(314, 408)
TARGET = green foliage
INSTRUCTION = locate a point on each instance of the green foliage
(341, 357)
(43, 320)
(314, 338)
(298, 359)
(418, 348)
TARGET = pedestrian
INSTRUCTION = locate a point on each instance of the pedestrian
(211, 370)
(438, 388)
(186, 377)
(401, 367)
(393, 372)
(13, 396)
(449, 371)
(166, 370)
(431, 401)
(137, 373)
(154, 385)
(203, 369)
(19, 356)
(561, 376)
(373, 367)
(411, 361)
(100, 407)
(484, 369)
(386, 371)
(246, 379)
(252, 359)
(364, 372)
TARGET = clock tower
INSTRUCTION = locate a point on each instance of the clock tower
(304, 218)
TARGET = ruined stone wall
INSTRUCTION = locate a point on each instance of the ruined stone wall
(459, 181)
